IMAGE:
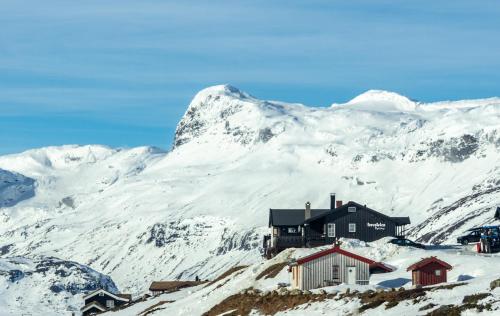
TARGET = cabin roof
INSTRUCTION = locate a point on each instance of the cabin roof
(291, 217)
(171, 285)
(396, 220)
(119, 297)
(426, 261)
(94, 304)
(382, 266)
(335, 249)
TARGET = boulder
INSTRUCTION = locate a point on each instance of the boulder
(295, 292)
(494, 284)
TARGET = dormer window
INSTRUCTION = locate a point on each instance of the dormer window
(351, 209)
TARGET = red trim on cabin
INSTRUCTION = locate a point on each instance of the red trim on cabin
(426, 261)
(381, 266)
(335, 249)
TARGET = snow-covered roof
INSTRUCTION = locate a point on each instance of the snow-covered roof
(335, 249)
(426, 261)
(118, 297)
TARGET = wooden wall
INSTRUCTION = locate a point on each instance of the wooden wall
(313, 274)
(427, 275)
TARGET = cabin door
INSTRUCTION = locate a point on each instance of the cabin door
(351, 275)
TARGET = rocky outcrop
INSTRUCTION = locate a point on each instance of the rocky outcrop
(14, 188)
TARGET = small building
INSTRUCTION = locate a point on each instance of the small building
(429, 271)
(307, 227)
(101, 300)
(333, 266)
(160, 287)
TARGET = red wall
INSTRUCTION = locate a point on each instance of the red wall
(427, 275)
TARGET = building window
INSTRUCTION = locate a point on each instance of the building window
(292, 230)
(275, 231)
(352, 227)
(351, 209)
(110, 304)
(101, 294)
(331, 230)
(438, 272)
(335, 273)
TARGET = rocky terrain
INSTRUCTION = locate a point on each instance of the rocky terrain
(142, 214)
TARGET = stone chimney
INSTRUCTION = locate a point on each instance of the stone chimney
(332, 201)
(339, 203)
(308, 211)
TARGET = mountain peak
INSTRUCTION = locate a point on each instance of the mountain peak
(381, 100)
(221, 90)
(213, 106)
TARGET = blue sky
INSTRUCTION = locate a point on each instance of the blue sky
(122, 73)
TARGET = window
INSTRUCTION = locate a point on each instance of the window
(110, 304)
(101, 294)
(352, 227)
(275, 231)
(292, 230)
(331, 230)
(438, 272)
(335, 272)
(351, 209)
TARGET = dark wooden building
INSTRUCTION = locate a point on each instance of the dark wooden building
(316, 227)
(429, 271)
(101, 300)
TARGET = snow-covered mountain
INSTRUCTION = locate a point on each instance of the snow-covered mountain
(46, 285)
(141, 214)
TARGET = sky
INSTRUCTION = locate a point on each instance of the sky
(122, 73)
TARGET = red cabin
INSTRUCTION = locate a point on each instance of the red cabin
(429, 271)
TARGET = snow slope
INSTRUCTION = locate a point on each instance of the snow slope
(476, 271)
(141, 214)
(46, 285)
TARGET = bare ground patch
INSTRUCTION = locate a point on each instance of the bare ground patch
(226, 274)
(243, 304)
(272, 271)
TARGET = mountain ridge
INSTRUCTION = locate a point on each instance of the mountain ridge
(140, 214)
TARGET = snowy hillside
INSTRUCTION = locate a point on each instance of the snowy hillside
(46, 285)
(256, 288)
(141, 214)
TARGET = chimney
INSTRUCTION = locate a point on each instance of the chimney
(339, 203)
(332, 201)
(308, 210)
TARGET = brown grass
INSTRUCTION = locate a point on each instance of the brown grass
(474, 298)
(226, 274)
(243, 304)
(270, 304)
(371, 299)
(272, 271)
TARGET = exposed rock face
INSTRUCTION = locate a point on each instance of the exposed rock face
(139, 214)
(224, 113)
(14, 188)
(49, 283)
